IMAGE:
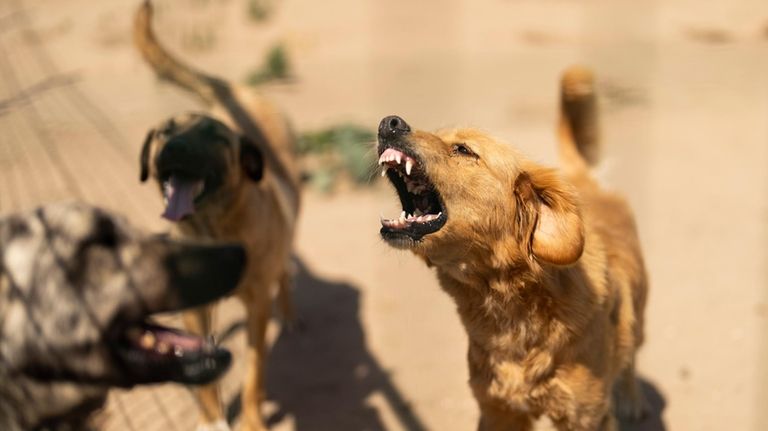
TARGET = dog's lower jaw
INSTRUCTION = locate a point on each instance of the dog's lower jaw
(401, 242)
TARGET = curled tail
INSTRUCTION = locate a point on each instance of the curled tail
(578, 131)
(165, 65)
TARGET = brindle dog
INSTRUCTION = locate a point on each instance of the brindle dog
(76, 288)
(227, 175)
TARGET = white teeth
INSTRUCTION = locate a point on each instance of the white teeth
(408, 166)
(398, 158)
(383, 173)
(406, 220)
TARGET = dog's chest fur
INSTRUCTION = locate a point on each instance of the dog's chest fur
(515, 336)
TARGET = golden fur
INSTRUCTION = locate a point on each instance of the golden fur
(257, 209)
(545, 268)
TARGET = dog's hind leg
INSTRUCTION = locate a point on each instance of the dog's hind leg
(200, 321)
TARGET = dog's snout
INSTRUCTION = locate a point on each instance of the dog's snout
(202, 273)
(392, 127)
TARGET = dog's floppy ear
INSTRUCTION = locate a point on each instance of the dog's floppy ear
(548, 218)
(144, 158)
(251, 159)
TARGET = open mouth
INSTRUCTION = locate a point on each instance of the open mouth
(423, 211)
(180, 195)
(153, 353)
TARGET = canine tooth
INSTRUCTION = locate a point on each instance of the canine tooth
(147, 340)
(383, 173)
(408, 166)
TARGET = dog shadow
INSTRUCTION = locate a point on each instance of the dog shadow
(322, 374)
(656, 403)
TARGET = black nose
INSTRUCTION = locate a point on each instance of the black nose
(392, 127)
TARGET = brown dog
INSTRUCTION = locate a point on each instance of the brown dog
(227, 176)
(545, 266)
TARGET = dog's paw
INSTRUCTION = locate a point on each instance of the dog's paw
(220, 425)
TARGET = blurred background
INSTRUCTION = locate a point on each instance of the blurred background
(683, 88)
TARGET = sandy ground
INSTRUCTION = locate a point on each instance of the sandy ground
(684, 88)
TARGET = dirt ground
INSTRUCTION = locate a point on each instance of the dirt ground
(684, 99)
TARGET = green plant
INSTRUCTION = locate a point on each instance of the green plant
(344, 149)
(276, 66)
(259, 10)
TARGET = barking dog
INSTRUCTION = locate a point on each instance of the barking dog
(230, 175)
(76, 287)
(545, 266)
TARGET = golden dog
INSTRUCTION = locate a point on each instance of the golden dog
(230, 176)
(545, 266)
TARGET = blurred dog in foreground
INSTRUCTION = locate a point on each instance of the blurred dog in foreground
(76, 288)
(230, 175)
(544, 265)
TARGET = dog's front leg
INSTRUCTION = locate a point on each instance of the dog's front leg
(199, 321)
(258, 311)
(495, 418)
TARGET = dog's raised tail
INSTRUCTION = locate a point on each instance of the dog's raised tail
(164, 64)
(578, 128)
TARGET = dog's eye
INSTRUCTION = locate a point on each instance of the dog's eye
(463, 150)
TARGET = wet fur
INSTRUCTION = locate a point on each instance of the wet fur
(545, 269)
(259, 212)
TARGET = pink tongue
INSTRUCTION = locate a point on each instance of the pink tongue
(186, 342)
(180, 197)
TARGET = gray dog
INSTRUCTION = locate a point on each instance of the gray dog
(76, 287)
